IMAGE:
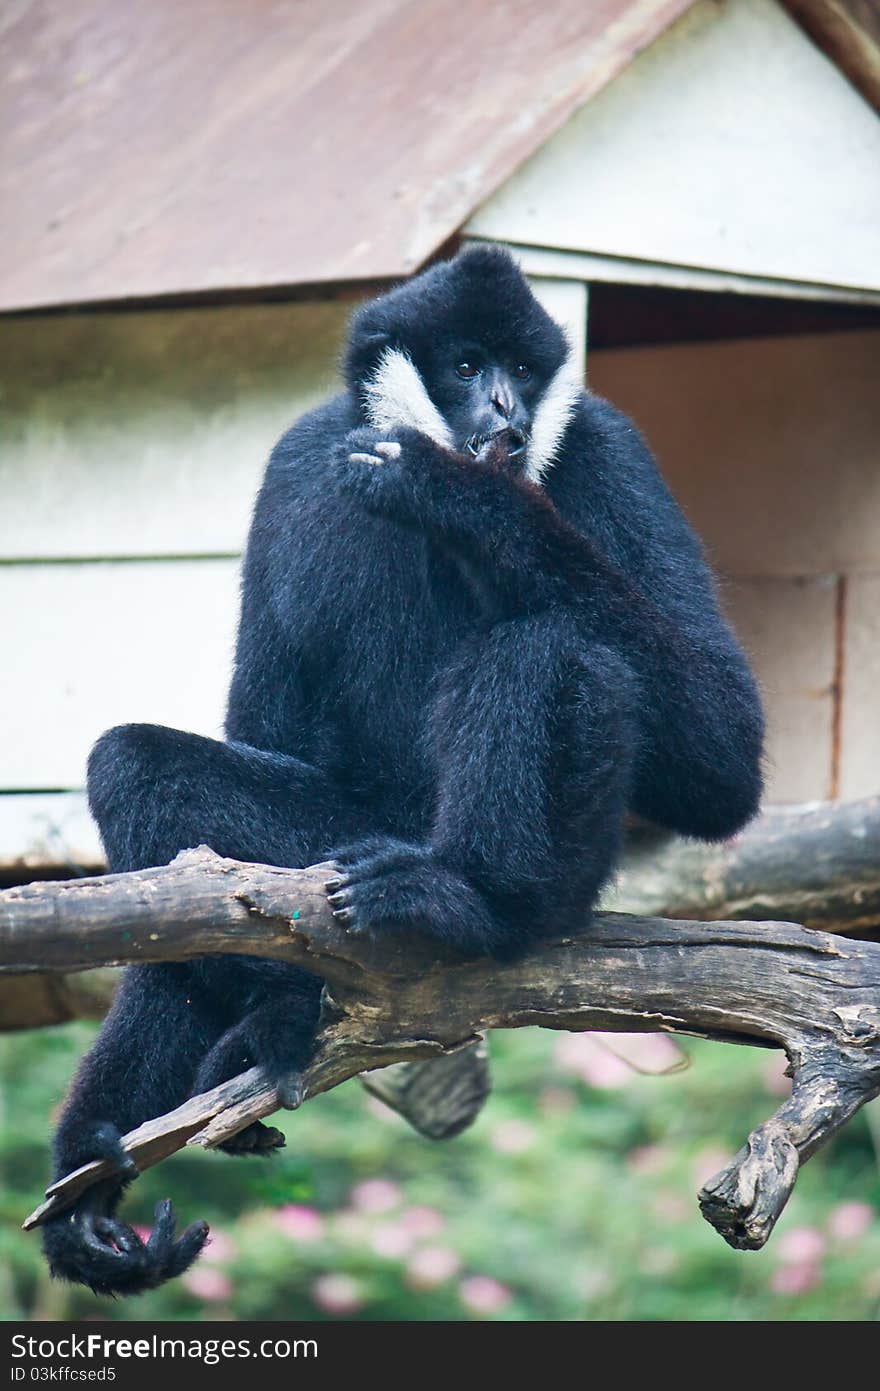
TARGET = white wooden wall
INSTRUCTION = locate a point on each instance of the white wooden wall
(131, 449)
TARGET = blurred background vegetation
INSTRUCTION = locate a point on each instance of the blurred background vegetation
(573, 1197)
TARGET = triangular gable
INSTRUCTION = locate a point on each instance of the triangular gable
(732, 143)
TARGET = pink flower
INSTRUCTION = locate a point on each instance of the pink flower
(376, 1195)
(647, 1159)
(298, 1222)
(800, 1245)
(556, 1101)
(484, 1295)
(208, 1284)
(775, 1079)
(653, 1054)
(707, 1164)
(578, 1053)
(337, 1294)
(849, 1221)
(422, 1221)
(391, 1239)
(800, 1249)
(431, 1266)
(512, 1137)
(220, 1248)
(795, 1279)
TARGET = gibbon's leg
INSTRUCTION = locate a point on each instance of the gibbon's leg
(275, 1031)
(534, 733)
(156, 791)
(141, 1065)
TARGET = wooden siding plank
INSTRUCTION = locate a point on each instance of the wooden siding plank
(566, 302)
(147, 433)
(540, 261)
(860, 710)
(771, 445)
(788, 629)
(93, 645)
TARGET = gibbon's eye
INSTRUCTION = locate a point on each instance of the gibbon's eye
(522, 372)
(467, 369)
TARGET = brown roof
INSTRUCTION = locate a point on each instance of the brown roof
(172, 148)
(201, 146)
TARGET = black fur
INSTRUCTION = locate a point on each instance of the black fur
(450, 680)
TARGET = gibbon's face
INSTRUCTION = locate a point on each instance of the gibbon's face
(466, 354)
(485, 397)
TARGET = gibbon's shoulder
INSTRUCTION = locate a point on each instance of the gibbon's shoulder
(309, 443)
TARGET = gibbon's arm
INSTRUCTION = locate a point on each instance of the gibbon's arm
(699, 770)
(513, 543)
(509, 539)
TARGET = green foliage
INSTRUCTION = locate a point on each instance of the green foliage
(573, 1197)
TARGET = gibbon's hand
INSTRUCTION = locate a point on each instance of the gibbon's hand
(387, 471)
(406, 476)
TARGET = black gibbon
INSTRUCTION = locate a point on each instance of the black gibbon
(475, 633)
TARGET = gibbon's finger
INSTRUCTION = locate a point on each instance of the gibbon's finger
(184, 1251)
(120, 1234)
(164, 1223)
(364, 459)
(97, 1245)
(390, 449)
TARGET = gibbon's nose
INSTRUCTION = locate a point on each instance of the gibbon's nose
(502, 398)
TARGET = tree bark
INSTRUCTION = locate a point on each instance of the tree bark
(818, 865)
(394, 1000)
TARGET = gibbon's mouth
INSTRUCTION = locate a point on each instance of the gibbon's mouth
(513, 442)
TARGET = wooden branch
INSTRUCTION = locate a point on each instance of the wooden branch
(396, 1000)
(817, 864)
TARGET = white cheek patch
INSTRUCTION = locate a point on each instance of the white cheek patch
(396, 395)
(552, 418)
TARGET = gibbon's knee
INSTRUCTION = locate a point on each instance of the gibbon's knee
(128, 772)
(125, 755)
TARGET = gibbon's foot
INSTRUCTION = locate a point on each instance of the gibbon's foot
(257, 1138)
(260, 1040)
(90, 1247)
(386, 885)
(100, 1140)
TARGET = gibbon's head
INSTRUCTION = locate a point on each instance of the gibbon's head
(466, 354)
